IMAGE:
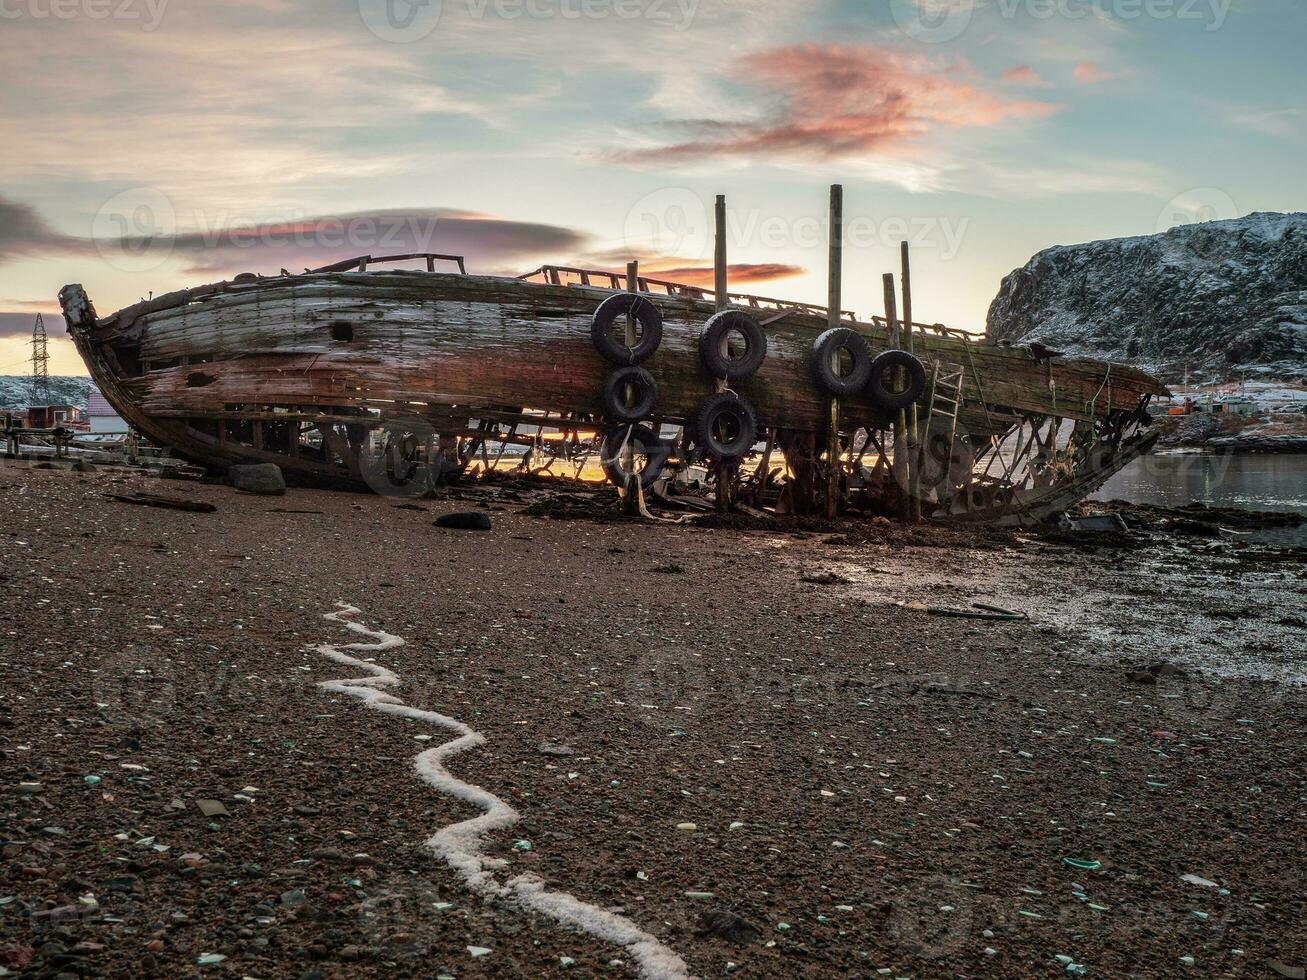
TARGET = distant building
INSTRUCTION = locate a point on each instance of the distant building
(104, 420)
(54, 416)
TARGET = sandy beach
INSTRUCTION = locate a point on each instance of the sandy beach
(755, 745)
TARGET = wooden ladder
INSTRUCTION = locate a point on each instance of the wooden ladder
(941, 428)
(945, 399)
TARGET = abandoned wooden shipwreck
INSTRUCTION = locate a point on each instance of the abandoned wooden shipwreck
(352, 375)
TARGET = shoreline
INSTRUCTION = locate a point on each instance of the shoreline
(871, 787)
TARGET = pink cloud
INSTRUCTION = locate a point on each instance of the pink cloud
(839, 100)
(1024, 75)
(702, 275)
(486, 241)
(1088, 73)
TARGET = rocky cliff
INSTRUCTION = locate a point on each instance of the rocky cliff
(1224, 298)
(16, 391)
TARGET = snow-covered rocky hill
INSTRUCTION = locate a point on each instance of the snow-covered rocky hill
(16, 391)
(1224, 299)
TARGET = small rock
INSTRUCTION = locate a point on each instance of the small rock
(725, 924)
(476, 951)
(261, 478)
(687, 828)
(550, 748)
(474, 521)
(1164, 669)
(212, 808)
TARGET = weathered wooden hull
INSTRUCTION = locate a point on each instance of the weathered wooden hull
(222, 373)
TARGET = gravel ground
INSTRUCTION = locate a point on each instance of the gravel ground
(873, 788)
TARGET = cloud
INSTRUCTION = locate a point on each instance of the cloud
(1024, 75)
(1088, 73)
(838, 101)
(1287, 123)
(682, 269)
(700, 275)
(34, 306)
(487, 242)
(20, 325)
(24, 232)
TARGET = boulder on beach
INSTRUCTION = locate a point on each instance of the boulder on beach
(260, 478)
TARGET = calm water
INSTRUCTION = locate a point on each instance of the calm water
(1273, 482)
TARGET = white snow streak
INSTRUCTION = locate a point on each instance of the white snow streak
(460, 844)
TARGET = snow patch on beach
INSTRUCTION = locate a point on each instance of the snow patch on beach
(461, 845)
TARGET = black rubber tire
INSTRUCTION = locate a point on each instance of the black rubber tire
(655, 450)
(646, 395)
(824, 348)
(878, 384)
(722, 365)
(645, 313)
(703, 427)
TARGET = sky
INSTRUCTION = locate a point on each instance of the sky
(147, 145)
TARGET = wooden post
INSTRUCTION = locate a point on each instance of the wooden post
(721, 298)
(631, 498)
(900, 424)
(914, 423)
(834, 304)
(720, 285)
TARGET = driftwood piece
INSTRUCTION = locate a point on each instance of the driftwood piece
(168, 503)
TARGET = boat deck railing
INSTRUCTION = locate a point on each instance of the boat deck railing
(559, 275)
(361, 263)
(562, 275)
